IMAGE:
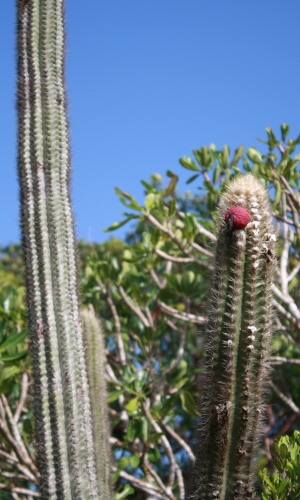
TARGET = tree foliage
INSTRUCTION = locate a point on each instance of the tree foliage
(285, 482)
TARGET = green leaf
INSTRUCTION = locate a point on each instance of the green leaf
(145, 429)
(171, 187)
(283, 450)
(13, 357)
(150, 201)
(13, 340)
(8, 372)
(187, 279)
(128, 490)
(216, 174)
(131, 430)
(156, 437)
(254, 155)
(191, 222)
(269, 483)
(284, 130)
(114, 395)
(282, 485)
(205, 157)
(116, 225)
(134, 460)
(182, 382)
(238, 154)
(132, 405)
(272, 139)
(278, 193)
(148, 186)
(188, 403)
(172, 207)
(224, 157)
(188, 163)
(115, 477)
(3, 325)
(126, 196)
(191, 179)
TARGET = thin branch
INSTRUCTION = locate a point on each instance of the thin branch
(161, 281)
(200, 228)
(192, 318)
(149, 468)
(160, 284)
(134, 307)
(290, 192)
(15, 496)
(165, 443)
(284, 258)
(278, 360)
(290, 338)
(23, 491)
(283, 219)
(11, 459)
(285, 313)
(17, 442)
(180, 483)
(288, 401)
(179, 440)
(202, 250)
(180, 350)
(176, 260)
(287, 299)
(294, 272)
(13, 475)
(149, 316)
(23, 396)
(117, 322)
(295, 215)
(170, 233)
(143, 485)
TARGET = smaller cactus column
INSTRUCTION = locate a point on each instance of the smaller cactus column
(96, 363)
(237, 345)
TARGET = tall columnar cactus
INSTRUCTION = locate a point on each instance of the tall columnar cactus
(66, 448)
(238, 339)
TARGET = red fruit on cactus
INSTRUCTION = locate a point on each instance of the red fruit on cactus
(237, 218)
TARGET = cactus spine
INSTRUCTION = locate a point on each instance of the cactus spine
(238, 339)
(66, 451)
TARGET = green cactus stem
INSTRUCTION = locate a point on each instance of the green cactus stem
(96, 362)
(238, 343)
(65, 441)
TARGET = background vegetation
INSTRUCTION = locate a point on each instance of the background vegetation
(150, 293)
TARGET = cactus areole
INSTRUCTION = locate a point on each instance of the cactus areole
(237, 218)
(237, 336)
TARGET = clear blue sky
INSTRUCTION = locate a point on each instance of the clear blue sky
(148, 81)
